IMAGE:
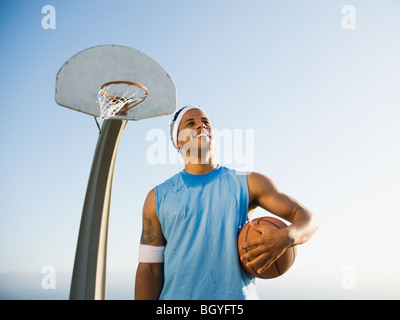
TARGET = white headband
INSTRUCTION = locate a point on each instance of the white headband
(178, 121)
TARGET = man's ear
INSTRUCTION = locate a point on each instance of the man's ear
(179, 144)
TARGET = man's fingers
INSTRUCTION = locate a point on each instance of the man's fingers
(255, 252)
(265, 267)
(260, 263)
(251, 254)
(251, 243)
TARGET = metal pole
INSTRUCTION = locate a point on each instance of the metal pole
(89, 273)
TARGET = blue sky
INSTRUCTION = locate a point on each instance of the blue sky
(322, 101)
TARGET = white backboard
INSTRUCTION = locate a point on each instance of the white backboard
(81, 77)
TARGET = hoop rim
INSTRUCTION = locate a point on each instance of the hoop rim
(126, 82)
(127, 106)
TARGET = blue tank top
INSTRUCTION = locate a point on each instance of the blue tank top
(201, 216)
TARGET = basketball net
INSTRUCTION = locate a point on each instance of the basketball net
(117, 97)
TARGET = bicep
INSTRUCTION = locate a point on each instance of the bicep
(151, 227)
(265, 194)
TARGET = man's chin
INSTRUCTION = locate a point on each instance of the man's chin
(203, 141)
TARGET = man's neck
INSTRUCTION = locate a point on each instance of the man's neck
(203, 162)
(200, 168)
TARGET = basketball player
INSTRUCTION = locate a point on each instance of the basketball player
(191, 222)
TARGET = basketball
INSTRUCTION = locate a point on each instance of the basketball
(282, 264)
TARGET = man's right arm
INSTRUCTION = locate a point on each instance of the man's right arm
(148, 284)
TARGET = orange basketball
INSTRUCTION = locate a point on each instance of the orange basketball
(282, 264)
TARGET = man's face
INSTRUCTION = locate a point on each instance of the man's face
(195, 130)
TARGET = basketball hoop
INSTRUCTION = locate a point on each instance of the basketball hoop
(117, 97)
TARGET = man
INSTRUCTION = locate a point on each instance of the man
(191, 222)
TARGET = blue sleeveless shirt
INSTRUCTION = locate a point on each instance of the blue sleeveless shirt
(201, 216)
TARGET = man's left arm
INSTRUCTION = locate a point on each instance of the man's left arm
(273, 242)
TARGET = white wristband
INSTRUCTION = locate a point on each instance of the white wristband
(151, 254)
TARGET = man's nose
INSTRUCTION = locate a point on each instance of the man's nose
(200, 125)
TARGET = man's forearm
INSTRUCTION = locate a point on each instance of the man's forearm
(148, 284)
(304, 225)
